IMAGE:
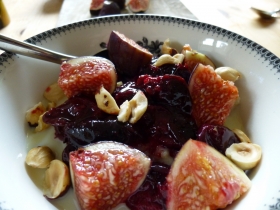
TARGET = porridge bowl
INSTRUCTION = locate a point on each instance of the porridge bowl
(23, 81)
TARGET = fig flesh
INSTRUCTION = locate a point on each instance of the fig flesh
(138, 5)
(96, 6)
(106, 173)
(86, 75)
(202, 178)
(57, 179)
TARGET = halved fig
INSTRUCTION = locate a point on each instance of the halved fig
(87, 75)
(212, 97)
(202, 178)
(106, 173)
(126, 54)
(138, 5)
(96, 6)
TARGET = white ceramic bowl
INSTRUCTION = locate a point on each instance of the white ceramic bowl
(23, 80)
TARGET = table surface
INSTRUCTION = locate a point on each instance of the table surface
(31, 17)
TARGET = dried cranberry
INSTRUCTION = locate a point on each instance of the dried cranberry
(170, 91)
(175, 69)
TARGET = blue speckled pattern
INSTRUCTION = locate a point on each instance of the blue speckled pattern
(266, 54)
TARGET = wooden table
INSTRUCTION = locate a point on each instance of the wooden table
(31, 17)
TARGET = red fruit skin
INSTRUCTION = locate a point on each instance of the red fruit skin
(202, 178)
(87, 75)
(96, 6)
(212, 97)
(126, 54)
(104, 178)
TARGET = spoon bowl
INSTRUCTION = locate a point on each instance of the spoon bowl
(267, 14)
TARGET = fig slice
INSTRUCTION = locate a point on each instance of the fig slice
(202, 178)
(105, 174)
(86, 75)
(126, 54)
(245, 155)
(138, 5)
(212, 97)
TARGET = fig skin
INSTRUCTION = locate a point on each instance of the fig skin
(109, 8)
(96, 6)
(121, 3)
(107, 168)
(127, 55)
(217, 136)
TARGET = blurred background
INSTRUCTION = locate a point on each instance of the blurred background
(29, 17)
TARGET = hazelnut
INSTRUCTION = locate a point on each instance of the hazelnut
(133, 109)
(51, 105)
(187, 47)
(53, 93)
(106, 102)
(41, 124)
(241, 135)
(168, 59)
(139, 104)
(125, 111)
(32, 115)
(228, 73)
(39, 157)
(166, 49)
(57, 179)
(120, 83)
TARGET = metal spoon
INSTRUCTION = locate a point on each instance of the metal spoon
(267, 14)
(34, 51)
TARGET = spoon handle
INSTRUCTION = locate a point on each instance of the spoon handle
(30, 50)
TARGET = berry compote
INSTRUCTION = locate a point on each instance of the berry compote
(160, 133)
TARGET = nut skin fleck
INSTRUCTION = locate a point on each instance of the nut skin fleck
(106, 102)
(33, 114)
